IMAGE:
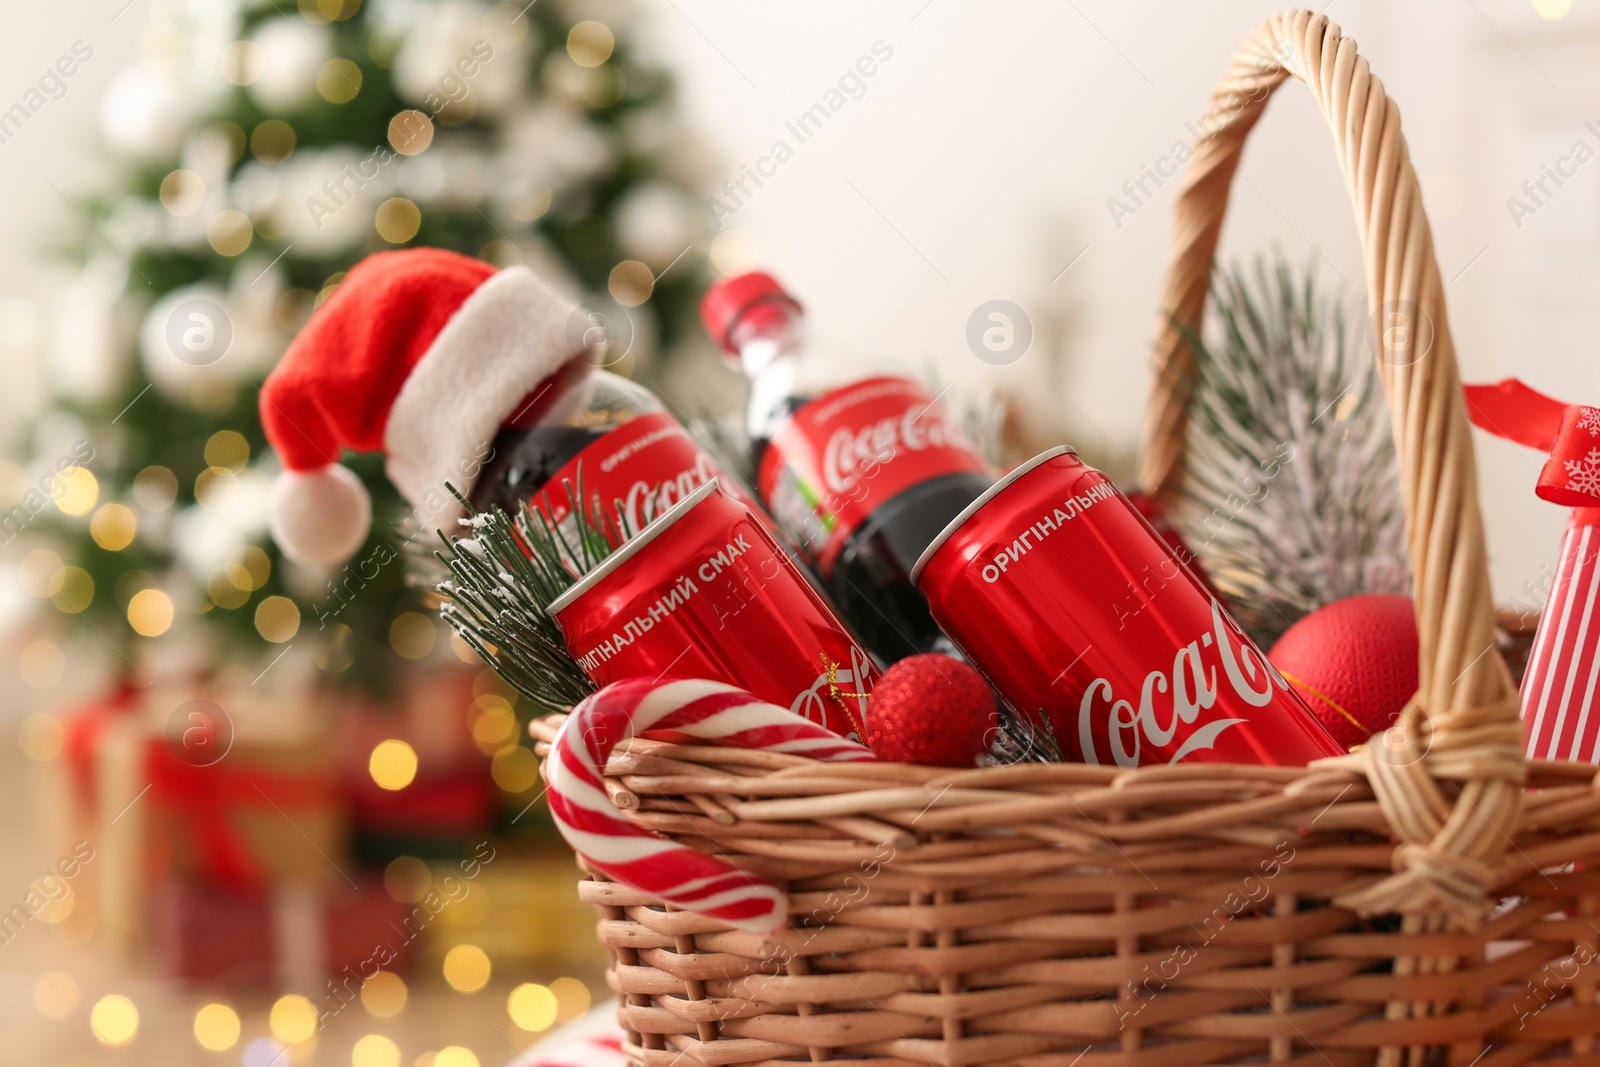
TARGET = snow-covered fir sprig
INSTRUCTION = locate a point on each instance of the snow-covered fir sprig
(1291, 499)
(504, 569)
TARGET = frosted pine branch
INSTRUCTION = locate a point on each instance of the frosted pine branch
(1290, 498)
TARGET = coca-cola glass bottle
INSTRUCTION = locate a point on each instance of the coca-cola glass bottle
(860, 477)
(586, 424)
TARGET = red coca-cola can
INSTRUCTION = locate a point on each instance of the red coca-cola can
(1069, 603)
(705, 591)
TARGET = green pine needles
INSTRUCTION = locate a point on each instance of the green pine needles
(507, 568)
(1291, 493)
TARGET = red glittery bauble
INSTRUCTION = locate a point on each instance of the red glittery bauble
(931, 709)
(1354, 663)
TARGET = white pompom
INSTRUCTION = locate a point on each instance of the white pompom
(319, 516)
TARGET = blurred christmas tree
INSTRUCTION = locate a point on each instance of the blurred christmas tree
(259, 150)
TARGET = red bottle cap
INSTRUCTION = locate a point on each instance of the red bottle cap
(733, 298)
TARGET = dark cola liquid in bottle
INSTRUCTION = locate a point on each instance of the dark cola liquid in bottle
(859, 478)
(587, 427)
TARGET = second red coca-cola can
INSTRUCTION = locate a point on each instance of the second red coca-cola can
(1063, 596)
(706, 592)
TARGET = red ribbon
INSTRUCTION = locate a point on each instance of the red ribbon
(1569, 433)
(85, 732)
(205, 800)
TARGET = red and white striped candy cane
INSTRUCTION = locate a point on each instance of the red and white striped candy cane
(674, 874)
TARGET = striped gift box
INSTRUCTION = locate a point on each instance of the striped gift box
(1563, 678)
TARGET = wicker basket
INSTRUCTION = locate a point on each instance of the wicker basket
(1432, 898)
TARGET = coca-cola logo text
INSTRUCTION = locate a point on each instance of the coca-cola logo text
(1192, 685)
(645, 500)
(852, 454)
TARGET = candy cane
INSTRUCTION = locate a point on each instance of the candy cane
(673, 873)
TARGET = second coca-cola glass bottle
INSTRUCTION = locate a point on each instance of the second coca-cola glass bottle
(860, 477)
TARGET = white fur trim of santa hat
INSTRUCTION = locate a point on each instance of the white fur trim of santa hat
(506, 338)
(319, 516)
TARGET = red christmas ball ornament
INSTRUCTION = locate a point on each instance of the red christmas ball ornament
(1354, 663)
(931, 709)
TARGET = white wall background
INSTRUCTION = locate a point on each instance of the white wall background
(979, 161)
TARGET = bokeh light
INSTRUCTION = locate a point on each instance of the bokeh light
(590, 43)
(113, 527)
(466, 967)
(410, 132)
(532, 1007)
(393, 764)
(375, 1050)
(75, 490)
(114, 1019)
(229, 232)
(277, 619)
(494, 723)
(384, 995)
(182, 192)
(293, 1019)
(397, 220)
(339, 81)
(248, 568)
(224, 593)
(514, 769)
(413, 634)
(216, 1027)
(150, 612)
(271, 142)
(454, 1056)
(336, 651)
(73, 590)
(631, 283)
(227, 448)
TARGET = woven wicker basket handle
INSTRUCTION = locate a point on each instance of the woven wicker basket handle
(1449, 775)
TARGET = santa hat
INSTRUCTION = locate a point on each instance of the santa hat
(420, 354)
